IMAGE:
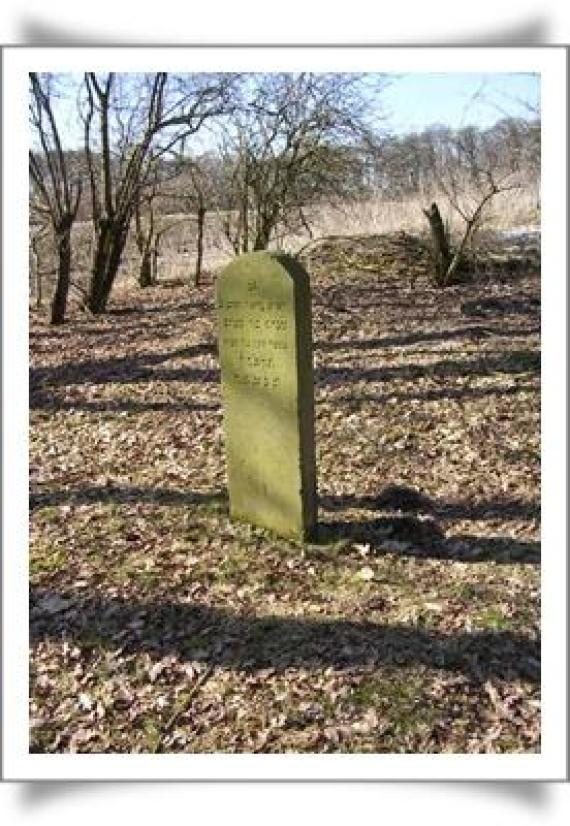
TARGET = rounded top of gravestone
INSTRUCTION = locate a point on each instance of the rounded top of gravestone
(265, 263)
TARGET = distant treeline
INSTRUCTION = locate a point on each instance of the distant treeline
(396, 166)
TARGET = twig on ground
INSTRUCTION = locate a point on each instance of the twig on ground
(173, 719)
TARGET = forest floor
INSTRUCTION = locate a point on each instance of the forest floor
(410, 625)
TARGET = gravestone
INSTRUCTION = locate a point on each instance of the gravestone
(264, 325)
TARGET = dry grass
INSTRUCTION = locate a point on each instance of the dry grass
(380, 216)
(377, 216)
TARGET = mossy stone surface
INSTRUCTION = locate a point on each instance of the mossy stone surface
(264, 326)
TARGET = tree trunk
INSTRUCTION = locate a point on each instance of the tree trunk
(36, 272)
(39, 294)
(261, 241)
(59, 301)
(442, 253)
(111, 238)
(155, 252)
(154, 255)
(263, 235)
(200, 244)
(145, 271)
(457, 259)
(244, 221)
(146, 244)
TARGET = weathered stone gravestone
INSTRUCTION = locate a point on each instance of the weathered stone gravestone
(264, 325)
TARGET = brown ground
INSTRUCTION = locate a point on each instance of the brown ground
(411, 625)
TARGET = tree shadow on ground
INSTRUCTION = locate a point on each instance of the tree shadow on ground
(46, 402)
(445, 393)
(475, 332)
(511, 363)
(116, 495)
(238, 640)
(410, 524)
(135, 311)
(494, 306)
(401, 533)
(136, 329)
(124, 370)
(121, 371)
(410, 500)
(408, 536)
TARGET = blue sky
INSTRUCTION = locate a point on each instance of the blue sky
(415, 101)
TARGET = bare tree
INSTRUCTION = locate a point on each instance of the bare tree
(146, 236)
(200, 191)
(55, 190)
(203, 197)
(38, 232)
(296, 137)
(149, 229)
(470, 170)
(129, 122)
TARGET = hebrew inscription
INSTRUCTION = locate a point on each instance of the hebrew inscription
(264, 325)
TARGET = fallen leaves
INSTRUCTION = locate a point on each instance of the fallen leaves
(366, 574)
(51, 604)
(410, 625)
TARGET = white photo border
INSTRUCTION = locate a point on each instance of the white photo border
(551, 762)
